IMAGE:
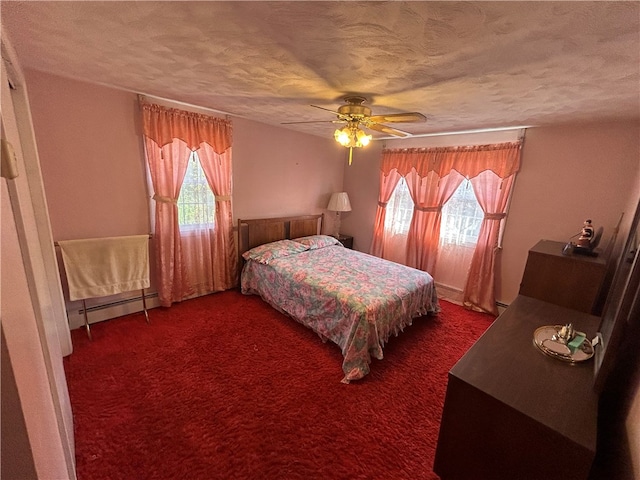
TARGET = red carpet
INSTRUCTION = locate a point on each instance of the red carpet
(225, 387)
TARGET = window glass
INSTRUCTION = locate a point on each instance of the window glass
(461, 215)
(399, 210)
(196, 203)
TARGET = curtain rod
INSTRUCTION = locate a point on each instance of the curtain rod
(461, 132)
(142, 97)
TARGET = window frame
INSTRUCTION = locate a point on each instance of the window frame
(477, 217)
(402, 184)
(188, 228)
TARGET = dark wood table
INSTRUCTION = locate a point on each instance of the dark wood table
(513, 412)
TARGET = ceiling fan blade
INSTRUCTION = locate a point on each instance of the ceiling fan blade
(313, 121)
(406, 117)
(384, 129)
(328, 110)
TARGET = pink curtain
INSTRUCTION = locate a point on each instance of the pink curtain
(469, 161)
(429, 194)
(223, 263)
(388, 182)
(433, 174)
(170, 136)
(492, 193)
(163, 125)
(167, 166)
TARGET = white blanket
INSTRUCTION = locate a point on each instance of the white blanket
(97, 267)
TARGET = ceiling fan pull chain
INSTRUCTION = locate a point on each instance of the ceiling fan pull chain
(350, 154)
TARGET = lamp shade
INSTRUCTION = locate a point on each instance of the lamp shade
(339, 202)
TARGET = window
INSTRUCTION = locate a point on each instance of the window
(399, 210)
(461, 215)
(196, 203)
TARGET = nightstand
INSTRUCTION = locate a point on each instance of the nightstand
(345, 240)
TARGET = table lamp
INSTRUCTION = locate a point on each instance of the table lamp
(339, 202)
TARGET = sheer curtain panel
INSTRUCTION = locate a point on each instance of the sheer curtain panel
(217, 169)
(202, 260)
(433, 175)
(429, 194)
(380, 243)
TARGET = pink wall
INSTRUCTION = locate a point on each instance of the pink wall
(361, 182)
(282, 172)
(93, 169)
(569, 173)
(34, 342)
(277, 171)
(20, 328)
(361, 179)
(91, 157)
(90, 145)
(92, 164)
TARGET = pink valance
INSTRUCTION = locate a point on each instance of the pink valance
(503, 159)
(162, 125)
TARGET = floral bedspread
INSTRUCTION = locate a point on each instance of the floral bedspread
(354, 299)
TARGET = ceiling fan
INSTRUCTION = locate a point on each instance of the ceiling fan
(355, 115)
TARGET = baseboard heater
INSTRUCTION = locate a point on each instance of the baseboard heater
(110, 309)
(124, 301)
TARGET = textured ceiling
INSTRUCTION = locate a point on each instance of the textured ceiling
(465, 65)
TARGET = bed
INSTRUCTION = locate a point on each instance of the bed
(353, 299)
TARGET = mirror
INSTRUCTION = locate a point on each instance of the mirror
(617, 312)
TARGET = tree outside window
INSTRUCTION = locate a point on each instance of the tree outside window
(461, 215)
(196, 203)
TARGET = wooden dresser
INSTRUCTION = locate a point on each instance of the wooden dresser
(573, 281)
(511, 411)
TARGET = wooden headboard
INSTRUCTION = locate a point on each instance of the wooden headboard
(254, 232)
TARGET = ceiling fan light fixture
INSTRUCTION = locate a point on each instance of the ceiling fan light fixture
(354, 114)
(343, 136)
(363, 138)
(352, 136)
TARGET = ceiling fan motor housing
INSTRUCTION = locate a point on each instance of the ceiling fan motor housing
(355, 110)
(354, 107)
